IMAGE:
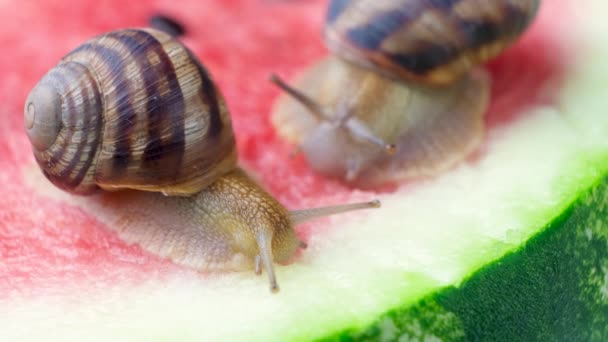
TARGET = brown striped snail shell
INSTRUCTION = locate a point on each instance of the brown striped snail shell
(434, 42)
(405, 78)
(130, 109)
(135, 109)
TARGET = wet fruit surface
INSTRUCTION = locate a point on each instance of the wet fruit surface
(45, 242)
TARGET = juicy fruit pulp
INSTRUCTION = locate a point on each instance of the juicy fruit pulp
(510, 244)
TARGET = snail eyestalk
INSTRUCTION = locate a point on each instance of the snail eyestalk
(258, 265)
(361, 131)
(301, 216)
(264, 258)
(302, 98)
(355, 128)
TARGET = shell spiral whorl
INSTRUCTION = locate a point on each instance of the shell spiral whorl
(64, 121)
(434, 42)
(130, 109)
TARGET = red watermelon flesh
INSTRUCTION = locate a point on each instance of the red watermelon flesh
(50, 246)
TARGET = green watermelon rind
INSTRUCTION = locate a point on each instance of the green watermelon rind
(553, 287)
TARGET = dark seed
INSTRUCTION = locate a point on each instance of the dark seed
(167, 25)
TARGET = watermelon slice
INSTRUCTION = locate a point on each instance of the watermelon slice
(510, 245)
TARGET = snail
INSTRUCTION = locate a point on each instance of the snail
(404, 93)
(135, 110)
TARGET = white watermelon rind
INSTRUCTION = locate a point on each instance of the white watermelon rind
(553, 287)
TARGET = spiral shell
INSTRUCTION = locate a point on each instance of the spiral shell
(132, 108)
(135, 109)
(434, 41)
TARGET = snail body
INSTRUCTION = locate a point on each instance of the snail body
(228, 225)
(441, 126)
(408, 74)
(134, 109)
